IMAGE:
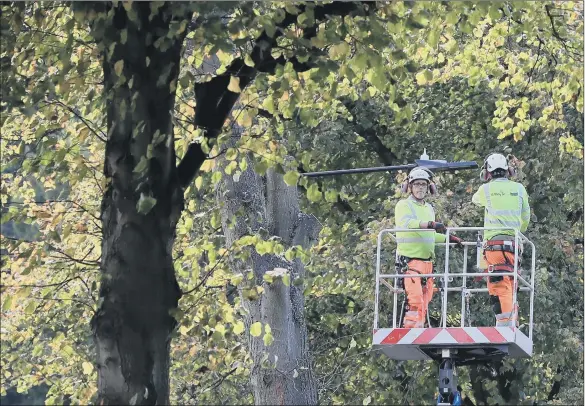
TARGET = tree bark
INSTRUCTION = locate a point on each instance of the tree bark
(138, 289)
(282, 372)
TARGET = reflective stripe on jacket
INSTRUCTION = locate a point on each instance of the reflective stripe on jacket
(506, 205)
(415, 244)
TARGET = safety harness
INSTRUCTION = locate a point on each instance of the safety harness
(499, 245)
(503, 246)
(402, 267)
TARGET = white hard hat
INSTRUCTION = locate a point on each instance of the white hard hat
(496, 161)
(420, 173)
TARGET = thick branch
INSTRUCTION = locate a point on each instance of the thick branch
(215, 101)
(386, 155)
(369, 134)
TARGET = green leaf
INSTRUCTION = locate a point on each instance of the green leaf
(145, 203)
(24, 293)
(291, 8)
(260, 168)
(123, 36)
(7, 303)
(216, 177)
(256, 329)
(158, 137)
(270, 27)
(244, 118)
(268, 339)
(238, 327)
(286, 279)
(313, 193)
(142, 165)
(231, 154)
(30, 308)
(188, 224)
(118, 67)
(267, 277)
(360, 61)
(290, 254)
(291, 177)
(302, 19)
(237, 279)
(379, 80)
(215, 220)
(421, 78)
(263, 247)
(339, 51)
(268, 104)
(331, 196)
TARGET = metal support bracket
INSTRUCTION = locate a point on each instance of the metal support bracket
(448, 393)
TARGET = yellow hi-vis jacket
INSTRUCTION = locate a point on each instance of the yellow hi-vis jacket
(415, 244)
(506, 205)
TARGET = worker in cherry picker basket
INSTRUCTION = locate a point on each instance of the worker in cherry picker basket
(416, 249)
(506, 205)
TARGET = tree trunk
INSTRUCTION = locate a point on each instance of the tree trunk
(282, 372)
(138, 289)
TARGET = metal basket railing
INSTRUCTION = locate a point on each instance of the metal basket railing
(447, 275)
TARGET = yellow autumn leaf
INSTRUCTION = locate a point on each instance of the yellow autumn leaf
(87, 368)
(244, 119)
(207, 165)
(238, 327)
(234, 85)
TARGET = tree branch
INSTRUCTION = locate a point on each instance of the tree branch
(79, 261)
(215, 101)
(41, 286)
(207, 275)
(556, 34)
(102, 137)
(369, 134)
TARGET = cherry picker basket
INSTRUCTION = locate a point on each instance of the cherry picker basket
(463, 342)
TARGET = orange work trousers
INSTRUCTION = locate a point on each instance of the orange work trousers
(417, 295)
(502, 289)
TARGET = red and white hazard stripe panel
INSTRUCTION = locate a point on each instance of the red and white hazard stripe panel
(450, 335)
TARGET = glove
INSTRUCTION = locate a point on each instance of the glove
(458, 241)
(439, 227)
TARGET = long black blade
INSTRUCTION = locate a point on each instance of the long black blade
(446, 166)
(433, 165)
